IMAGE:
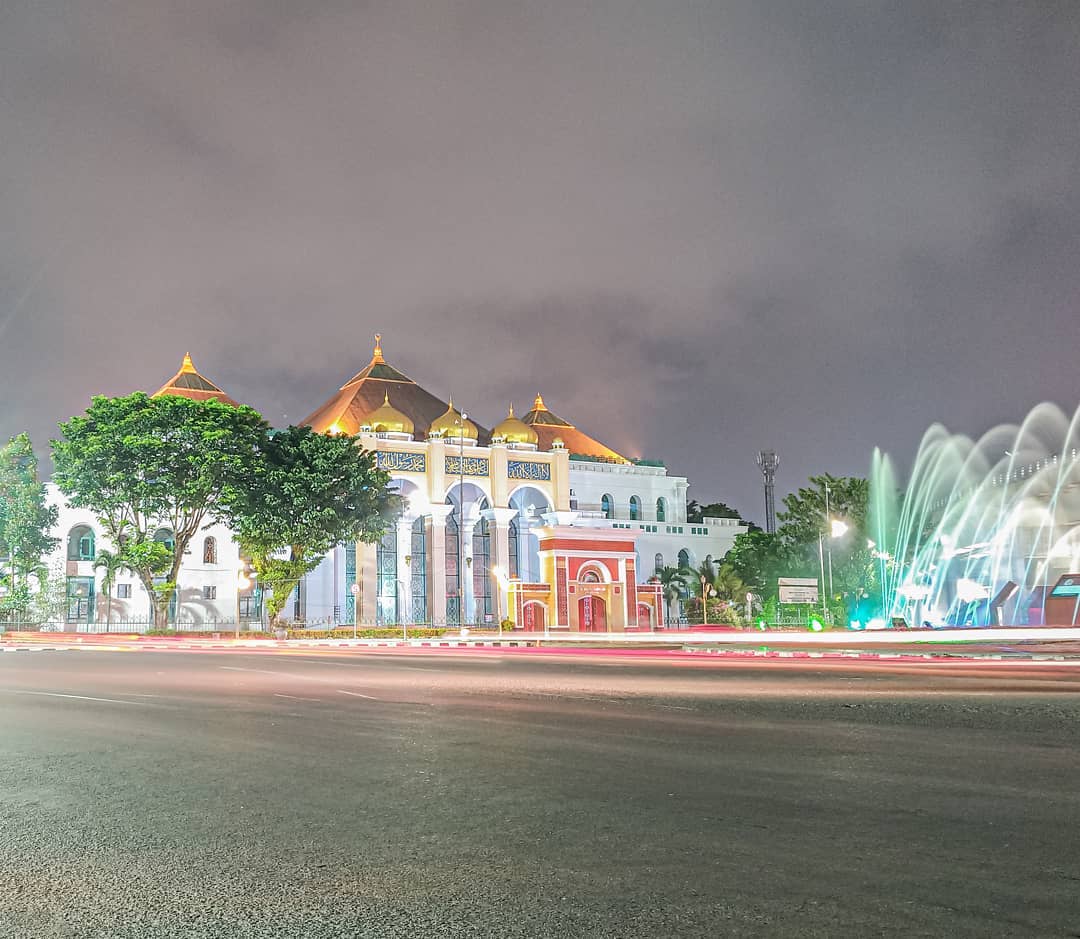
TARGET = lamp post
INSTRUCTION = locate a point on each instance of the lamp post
(354, 589)
(461, 519)
(704, 602)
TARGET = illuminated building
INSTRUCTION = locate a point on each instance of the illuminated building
(532, 520)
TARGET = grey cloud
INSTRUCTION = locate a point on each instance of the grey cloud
(700, 228)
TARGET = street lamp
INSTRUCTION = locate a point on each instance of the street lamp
(461, 519)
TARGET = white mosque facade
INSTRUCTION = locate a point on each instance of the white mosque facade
(532, 521)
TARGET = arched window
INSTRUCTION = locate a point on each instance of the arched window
(452, 555)
(512, 547)
(481, 570)
(209, 550)
(635, 508)
(81, 544)
(166, 537)
(661, 510)
(658, 563)
(684, 558)
(589, 577)
(607, 506)
(386, 608)
(418, 570)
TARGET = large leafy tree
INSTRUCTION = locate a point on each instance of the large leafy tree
(26, 521)
(145, 463)
(304, 494)
(759, 558)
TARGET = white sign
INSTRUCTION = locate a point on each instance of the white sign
(798, 590)
(355, 590)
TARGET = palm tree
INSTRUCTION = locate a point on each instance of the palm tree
(673, 581)
(111, 564)
(729, 586)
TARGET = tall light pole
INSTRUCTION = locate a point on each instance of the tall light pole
(828, 521)
(461, 518)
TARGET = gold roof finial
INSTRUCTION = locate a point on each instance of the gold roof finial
(187, 365)
(538, 404)
(386, 397)
(511, 411)
(377, 356)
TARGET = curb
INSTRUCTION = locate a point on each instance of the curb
(882, 656)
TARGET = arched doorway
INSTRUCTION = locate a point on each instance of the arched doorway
(592, 615)
(644, 616)
(533, 616)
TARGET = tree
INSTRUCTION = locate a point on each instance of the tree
(805, 520)
(759, 559)
(304, 494)
(674, 585)
(696, 512)
(143, 464)
(26, 520)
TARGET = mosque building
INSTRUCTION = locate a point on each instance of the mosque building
(533, 520)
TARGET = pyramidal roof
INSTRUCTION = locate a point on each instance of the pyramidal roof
(367, 391)
(189, 383)
(549, 426)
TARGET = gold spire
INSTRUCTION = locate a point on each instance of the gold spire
(187, 365)
(377, 357)
(538, 404)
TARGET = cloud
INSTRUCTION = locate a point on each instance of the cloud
(699, 228)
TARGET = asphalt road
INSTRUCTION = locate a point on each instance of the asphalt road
(515, 794)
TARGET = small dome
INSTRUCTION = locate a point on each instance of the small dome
(514, 430)
(557, 444)
(451, 424)
(387, 419)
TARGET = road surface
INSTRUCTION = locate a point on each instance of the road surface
(509, 794)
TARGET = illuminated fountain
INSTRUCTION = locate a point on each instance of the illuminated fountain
(984, 529)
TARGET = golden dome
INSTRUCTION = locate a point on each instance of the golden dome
(387, 419)
(514, 430)
(452, 425)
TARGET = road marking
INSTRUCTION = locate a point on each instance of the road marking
(278, 694)
(675, 707)
(356, 694)
(77, 697)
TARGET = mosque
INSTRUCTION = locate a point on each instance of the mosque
(533, 520)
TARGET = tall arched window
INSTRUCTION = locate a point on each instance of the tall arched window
(635, 508)
(607, 506)
(81, 544)
(661, 510)
(209, 550)
(386, 610)
(452, 554)
(481, 570)
(512, 547)
(658, 562)
(684, 558)
(418, 571)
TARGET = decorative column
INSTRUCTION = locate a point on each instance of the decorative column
(437, 560)
(468, 600)
(367, 576)
(499, 521)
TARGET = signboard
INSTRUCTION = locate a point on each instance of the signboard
(355, 590)
(798, 590)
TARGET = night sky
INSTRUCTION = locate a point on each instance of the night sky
(699, 228)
